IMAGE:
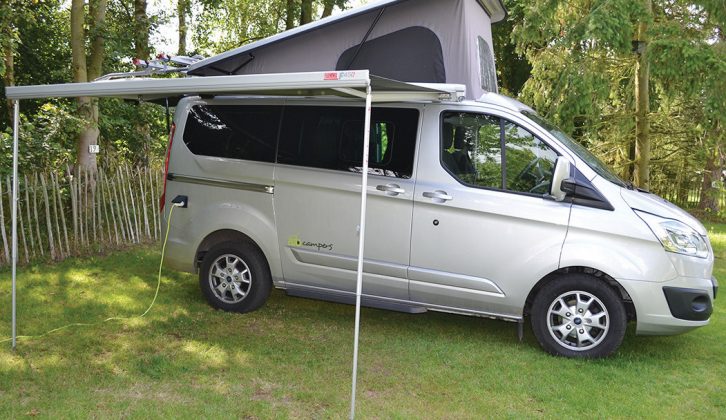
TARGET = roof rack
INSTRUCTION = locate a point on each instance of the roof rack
(162, 64)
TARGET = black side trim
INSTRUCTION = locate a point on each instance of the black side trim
(688, 304)
(581, 191)
(350, 300)
(224, 183)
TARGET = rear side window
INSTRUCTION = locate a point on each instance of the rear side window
(233, 131)
(332, 138)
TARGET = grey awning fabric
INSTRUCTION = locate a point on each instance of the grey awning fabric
(334, 83)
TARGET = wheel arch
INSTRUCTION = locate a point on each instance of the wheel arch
(220, 236)
(600, 275)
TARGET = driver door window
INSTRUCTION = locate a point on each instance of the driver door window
(502, 155)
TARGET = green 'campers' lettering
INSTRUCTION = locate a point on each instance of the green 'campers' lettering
(295, 240)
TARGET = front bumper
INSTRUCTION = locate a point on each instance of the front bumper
(692, 299)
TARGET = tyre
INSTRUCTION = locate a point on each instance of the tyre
(578, 316)
(235, 277)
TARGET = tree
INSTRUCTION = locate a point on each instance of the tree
(141, 30)
(242, 21)
(8, 39)
(87, 66)
(183, 8)
(513, 69)
(642, 98)
(626, 77)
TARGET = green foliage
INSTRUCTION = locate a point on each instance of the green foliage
(47, 140)
(119, 122)
(513, 69)
(228, 24)
(40, 31)
(583, 70)
(50, 128)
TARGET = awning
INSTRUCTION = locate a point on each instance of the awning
(351, 83)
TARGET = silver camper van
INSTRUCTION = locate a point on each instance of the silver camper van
(474, 207)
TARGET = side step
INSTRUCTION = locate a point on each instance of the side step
(350, 300)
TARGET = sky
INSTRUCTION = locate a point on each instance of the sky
(166, 40)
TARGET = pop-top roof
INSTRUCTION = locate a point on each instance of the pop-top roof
(237, 61)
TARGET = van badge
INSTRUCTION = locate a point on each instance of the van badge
(295, 240)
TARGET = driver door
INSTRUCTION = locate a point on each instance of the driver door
(483, 232)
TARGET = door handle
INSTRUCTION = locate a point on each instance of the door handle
(438, 196)
(391, 189)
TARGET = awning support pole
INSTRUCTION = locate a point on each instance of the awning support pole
(361, 242)
(16, 118)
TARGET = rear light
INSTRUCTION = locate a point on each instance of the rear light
(162, 200)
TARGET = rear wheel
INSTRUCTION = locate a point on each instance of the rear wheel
(578, 316)
(235, 277)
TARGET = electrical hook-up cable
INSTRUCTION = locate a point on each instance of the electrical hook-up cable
(115, 318)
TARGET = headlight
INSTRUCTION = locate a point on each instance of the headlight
(675, 236)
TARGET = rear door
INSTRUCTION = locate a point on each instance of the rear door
(317, 198)
(483, 232)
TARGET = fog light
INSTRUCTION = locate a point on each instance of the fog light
(699, 304)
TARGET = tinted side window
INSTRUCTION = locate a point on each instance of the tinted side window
(471, 150)
(332, 138)
(233, 131)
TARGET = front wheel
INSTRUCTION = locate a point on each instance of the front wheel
(578, 316)
(235, 277)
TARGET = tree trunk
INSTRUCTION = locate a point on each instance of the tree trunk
(141, 47)
(97, 10)
(141, 30)
(642, 104)
(630, 167)
(85, 70)
(712, 185)
(306, 11)
(327, 8)
(8, 54)
(182, 8)
(78, 36)
(290, 15)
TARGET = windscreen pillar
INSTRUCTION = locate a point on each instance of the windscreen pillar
(14, 246)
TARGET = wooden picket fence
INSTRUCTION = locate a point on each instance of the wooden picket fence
(81, 213)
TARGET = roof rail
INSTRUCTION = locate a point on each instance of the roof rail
(163, 64)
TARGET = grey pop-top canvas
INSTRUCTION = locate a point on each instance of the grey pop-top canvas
(428, 41)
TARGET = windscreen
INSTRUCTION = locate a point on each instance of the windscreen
(591, 160)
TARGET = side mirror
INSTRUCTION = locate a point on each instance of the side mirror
(561, 172)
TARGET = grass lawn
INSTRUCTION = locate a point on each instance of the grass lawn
(293, 357)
